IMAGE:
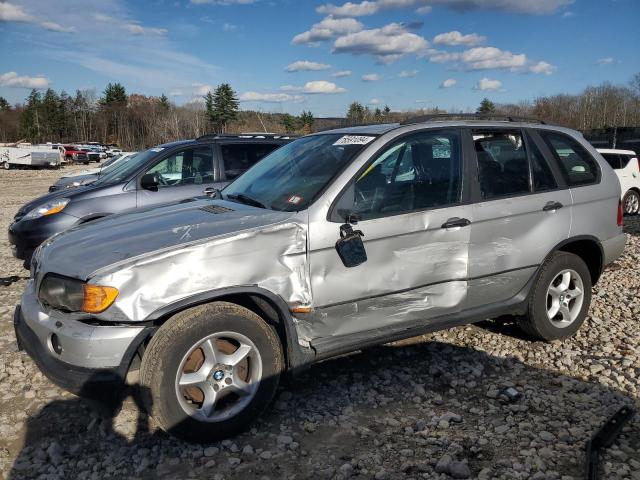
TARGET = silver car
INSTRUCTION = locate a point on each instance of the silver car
(335, 242)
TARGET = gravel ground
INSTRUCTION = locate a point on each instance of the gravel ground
(430, 407)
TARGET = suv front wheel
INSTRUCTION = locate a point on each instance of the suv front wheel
(560, 298)
(209, 371)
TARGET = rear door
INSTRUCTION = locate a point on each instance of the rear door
(235, 159)
(185, 173)
(522, 209)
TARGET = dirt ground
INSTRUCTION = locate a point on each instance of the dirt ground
(431, 407)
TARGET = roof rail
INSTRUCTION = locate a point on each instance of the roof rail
(442, 117)
(258, 136)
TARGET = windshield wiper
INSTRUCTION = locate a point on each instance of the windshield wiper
(247, 200)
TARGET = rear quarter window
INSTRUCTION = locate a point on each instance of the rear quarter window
(576, 163)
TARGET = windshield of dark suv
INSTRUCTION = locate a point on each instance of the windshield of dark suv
(290, 178)
(123, 169)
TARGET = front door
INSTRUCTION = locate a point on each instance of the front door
(182, 174)
(417, 267)
(522, 211)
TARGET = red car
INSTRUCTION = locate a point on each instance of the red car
(74, 154)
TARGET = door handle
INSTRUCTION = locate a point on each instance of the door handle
(550, 206)
(456, 222)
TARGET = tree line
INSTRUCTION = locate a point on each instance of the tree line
(135, 121)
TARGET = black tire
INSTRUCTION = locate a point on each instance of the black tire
(631, 202)
(6, 165)
(170, 344)
(537, 323)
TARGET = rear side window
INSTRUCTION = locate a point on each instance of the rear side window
(577, 165)
(614, 160)
(625, 159)
(239, 158)
(503, 166)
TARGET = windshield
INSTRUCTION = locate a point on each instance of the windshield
(121, 170)
(290, 178)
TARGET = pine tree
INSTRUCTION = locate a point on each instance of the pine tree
(356, 113)
(307, 119)
(29, 119)
(289, 122)
(222, 107)
(4, 105)
(486, 107)
(163, 102)
(114, 95)
(386, 110)
(378, 116)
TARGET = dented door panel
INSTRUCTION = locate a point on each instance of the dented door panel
(415, 270)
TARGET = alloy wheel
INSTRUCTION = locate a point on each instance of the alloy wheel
(565, 297)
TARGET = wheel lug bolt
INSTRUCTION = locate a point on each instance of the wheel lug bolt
(227, 381)
(216, 387)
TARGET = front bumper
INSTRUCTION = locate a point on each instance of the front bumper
(26, 235)
(613, 248)
(90, 356)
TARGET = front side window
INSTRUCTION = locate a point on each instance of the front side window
(239, 158)
(290, 178)
(192, 166)
(421, 171)
(503, 166)
(576, 164)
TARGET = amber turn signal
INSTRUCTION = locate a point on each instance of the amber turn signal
(97, 299)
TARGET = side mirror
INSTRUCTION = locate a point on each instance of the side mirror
(350, 246)
(150, 181)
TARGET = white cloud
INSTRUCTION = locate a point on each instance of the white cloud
(488, 84)
(201, 89)
(306, 66)
(408, 73)
(370, 77)
(13, 13)
(387, 44)
(56, 27)
(270, 97)
(322, 86)
(568, 14)
(448, 83)
(375, 101)
(137, 29)
(606, 61)
(328, 28)
(229, 27)
(371, 7)
(12, 79)
(424, 10)
(456, 38)
(341, 73)
(175, 93)
(485, 58)
(542, 67)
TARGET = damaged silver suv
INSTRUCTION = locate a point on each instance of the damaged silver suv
(335, 242)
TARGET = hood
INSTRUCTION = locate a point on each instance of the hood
(83, 179)
(82, 250)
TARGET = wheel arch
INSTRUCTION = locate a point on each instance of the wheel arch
(269, 306)
(589, 249)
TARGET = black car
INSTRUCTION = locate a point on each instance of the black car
(163, 174)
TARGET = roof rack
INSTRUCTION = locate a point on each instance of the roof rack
(442, 117)
(258, 136)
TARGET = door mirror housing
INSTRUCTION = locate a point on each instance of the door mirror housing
(150, 181)
(350, 246)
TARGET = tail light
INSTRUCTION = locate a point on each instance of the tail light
(620, 214)
(638, 160)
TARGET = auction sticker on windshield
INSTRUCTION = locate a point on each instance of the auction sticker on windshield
(354, 140)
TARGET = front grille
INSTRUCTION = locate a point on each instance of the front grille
(216, 209)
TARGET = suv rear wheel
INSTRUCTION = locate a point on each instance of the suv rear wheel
(560, 298)
(210, 371)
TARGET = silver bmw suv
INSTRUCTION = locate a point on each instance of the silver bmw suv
(335, 242)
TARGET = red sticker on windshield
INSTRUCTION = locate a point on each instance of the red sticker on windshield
(295, 199)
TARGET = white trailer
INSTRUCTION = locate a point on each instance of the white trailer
(26, 155)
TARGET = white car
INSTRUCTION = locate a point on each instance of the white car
(627, 167)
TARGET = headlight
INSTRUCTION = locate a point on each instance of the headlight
(75, 296)
(49, 208)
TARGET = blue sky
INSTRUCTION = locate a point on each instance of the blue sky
(290, 55)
